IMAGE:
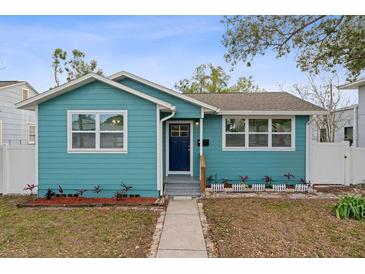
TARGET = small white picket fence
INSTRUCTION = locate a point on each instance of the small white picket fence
(301, 188)
(238, 187)
(217, 187)
(279, 187)
(258, 187)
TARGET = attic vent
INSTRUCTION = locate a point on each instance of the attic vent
(25, 94)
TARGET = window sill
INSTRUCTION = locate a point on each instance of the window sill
(81, 151)
(258, 149)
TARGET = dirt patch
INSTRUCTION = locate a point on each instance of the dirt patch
(257, 227)
(64, 202)
(342, 190)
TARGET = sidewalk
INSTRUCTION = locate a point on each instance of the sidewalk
(182, 235)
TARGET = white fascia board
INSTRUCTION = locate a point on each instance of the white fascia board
(31, 102)
(12, 85)
(353, 85)
(21, 83)
(122, 74)
(256, 112)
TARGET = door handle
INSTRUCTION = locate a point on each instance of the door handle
(188, 147)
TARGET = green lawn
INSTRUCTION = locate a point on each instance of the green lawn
(82, 232)
(259, 227)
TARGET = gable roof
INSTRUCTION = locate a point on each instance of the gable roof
(5, 84)
(259, 103)
(8, 83)
(91, 77)
(124, 74)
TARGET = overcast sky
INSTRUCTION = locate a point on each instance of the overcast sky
(163, 49)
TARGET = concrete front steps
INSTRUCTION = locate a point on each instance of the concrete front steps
(182, 185)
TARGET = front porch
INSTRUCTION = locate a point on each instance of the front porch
(182, 185)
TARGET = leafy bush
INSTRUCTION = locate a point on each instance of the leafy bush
(97, 189)
(268, 181)
(350, 207)
(80, 192)
(49, 194)
(30, 187)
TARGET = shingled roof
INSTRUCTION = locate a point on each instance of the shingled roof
(8, 83)
(256, 101)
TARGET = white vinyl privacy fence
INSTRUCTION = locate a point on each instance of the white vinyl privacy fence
(17, 168)
(336, 163)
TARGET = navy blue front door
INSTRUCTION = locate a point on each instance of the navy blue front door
(179, 147)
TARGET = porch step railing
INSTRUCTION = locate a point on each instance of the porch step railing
(203, 167)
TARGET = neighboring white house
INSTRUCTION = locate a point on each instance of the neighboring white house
(359, 123)
(17, 126)
(345, 131)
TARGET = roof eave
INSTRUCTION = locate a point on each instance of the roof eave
(273, 112)
(125, 74)
(33, 101)
(353, 85)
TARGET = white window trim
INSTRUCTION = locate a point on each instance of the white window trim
(97, 132)
(28, 134)
(27, 90)
(269, 147)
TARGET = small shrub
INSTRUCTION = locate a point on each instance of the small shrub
(350, 207)
(30, 187)
(97, 189)
(49, 194)
(209, 180)
(244, 180)
(303, 181)
(123, 192)
(268, 181)
(289, 176)
(80, 192)
(60, 191)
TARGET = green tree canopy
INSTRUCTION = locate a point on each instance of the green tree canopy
(74, 67)
(208, 78)
(321, 42)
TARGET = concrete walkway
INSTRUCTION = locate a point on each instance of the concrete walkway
(182, 235)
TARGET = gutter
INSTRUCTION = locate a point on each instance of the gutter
(160, 148)
(308, 133)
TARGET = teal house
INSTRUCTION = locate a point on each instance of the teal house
(107, 131)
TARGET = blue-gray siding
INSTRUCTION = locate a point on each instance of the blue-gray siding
(137, 168)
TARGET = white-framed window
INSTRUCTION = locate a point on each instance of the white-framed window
(97, 131)
(258, 133)
(31, 134)
(25, 94)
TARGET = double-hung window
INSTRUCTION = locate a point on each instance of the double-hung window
(31, 134)
(97, 131)
(258, 133)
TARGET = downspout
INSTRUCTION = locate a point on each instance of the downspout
(355, 126)
(160, 147)
(308, 132)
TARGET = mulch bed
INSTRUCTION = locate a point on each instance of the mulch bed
(90, 202)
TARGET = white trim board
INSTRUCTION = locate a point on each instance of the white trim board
(91, 77)
(273, 112)
(21, 83)
(123, 74)
(167, 160)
